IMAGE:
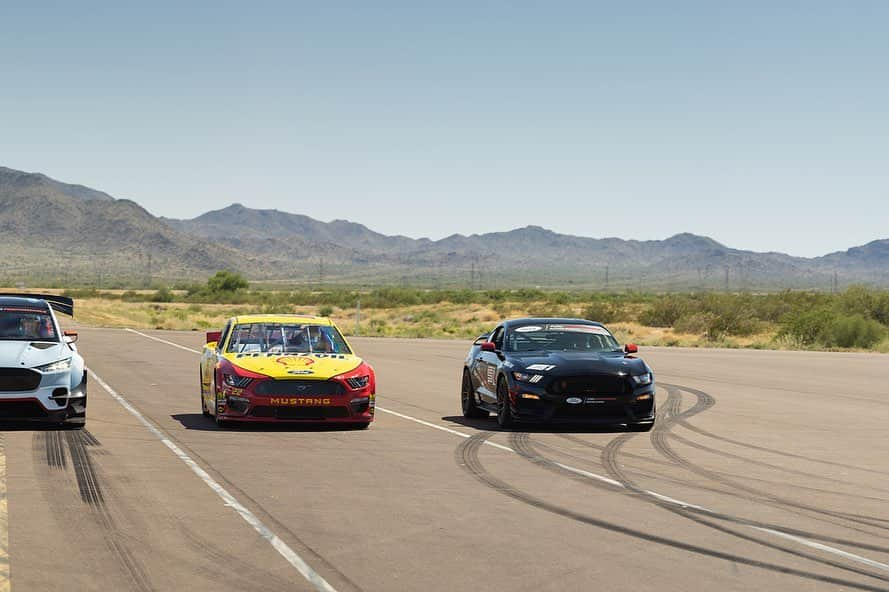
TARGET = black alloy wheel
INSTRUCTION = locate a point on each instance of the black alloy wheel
(471, 410)
(504, 415)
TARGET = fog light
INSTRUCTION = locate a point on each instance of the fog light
(644, 397)
(530, 396)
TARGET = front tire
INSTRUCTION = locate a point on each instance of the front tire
(467, 399)
(504, 413)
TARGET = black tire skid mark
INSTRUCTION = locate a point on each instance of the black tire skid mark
(692, 444)
(609, 459)
(660, 440)
(55, 449)
(91, 493)
(522, 445)
(668, 479)
(268, 518)
(238, 571)
(708, 434)
(466, 456)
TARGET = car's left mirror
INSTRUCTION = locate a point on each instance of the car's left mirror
(70, 336)
(488, 346)
(213, 336)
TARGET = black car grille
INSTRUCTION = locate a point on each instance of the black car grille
(22, 410)
(591, 385)
(299, 412)
(18, 379)
(298, 387)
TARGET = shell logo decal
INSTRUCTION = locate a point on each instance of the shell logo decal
(295, 361)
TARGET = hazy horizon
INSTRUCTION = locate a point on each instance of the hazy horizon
(761, 126)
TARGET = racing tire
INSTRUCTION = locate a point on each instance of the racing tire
(640, 427)
(467, 399)
(504, 414)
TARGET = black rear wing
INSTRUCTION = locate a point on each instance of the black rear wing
(63, 304)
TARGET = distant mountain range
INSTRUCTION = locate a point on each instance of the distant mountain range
(58, 233)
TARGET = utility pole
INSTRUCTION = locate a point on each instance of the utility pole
(726, 278)
(835, 282)
(358, 317)
(320, 272)
(606, 277)
(472, 276)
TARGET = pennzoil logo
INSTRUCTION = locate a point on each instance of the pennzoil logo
(311, 401)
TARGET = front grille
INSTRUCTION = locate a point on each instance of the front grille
(21, 410)
(602, 385)
(14, 380)
(298, 387)
(300, 412)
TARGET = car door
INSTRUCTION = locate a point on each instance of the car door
(208, 370)
(487, 367)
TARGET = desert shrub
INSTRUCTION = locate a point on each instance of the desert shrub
(325, 311)
(162, 294)
(665, 311)
(806, 326)
(605, 311)
(695, 323)
(852, 331)
(226, 281)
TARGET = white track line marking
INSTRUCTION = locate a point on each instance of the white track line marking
(280, 546)
(608, 480)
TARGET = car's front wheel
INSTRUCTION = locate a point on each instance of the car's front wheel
(504, 413)
(471, 409)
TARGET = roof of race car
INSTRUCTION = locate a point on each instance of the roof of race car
(548, 321)
(282, 318)
(19, 302)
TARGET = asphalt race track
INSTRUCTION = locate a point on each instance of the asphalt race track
(766, 471)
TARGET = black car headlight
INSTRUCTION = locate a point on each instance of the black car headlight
(236, 381)
(57, 366)
(642, 379)
(527, 377)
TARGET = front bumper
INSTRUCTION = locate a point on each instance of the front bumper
(535, 405)
(345, 408)
(52, 401)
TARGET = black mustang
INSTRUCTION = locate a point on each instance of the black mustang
(557, 370)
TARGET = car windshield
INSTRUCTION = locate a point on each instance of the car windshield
(286, 338)
(561, 337)
(25, 324)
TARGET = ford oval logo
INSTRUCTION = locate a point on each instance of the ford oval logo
(574, 400)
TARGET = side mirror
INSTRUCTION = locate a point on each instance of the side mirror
(213, 336)
(70, 336)
(488, 346)
(631, 348)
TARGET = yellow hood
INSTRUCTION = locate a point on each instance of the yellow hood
(319, 366)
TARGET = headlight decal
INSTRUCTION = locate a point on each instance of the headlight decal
(57, 366)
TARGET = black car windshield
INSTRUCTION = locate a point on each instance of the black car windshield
(26, 324)
(286, 338)
(560, 337)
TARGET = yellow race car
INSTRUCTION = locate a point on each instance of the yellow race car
(290, 368)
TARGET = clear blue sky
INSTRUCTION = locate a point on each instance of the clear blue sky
(764, 125)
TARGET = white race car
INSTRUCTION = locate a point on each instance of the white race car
(42, 377)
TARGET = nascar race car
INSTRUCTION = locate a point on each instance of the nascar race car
(290, 368)
(42, 377)
(557, 370)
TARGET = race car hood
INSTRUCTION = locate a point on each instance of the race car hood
(321, 366)
(566, 363)
(28, 354)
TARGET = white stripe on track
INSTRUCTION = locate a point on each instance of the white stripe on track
(608, 480)
(291, 556)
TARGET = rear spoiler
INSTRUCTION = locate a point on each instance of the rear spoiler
(63, 304)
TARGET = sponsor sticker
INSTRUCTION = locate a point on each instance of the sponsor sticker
(294, 361)
(574, 400)
(580, 329)
(297, 401)
(300, 372)
(540, 367)
(528, 329)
